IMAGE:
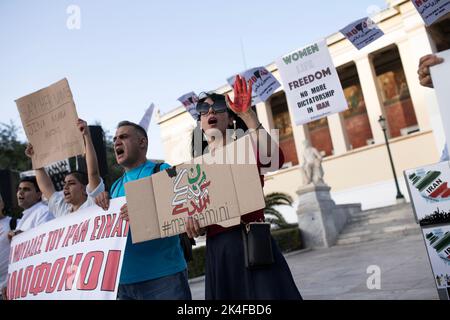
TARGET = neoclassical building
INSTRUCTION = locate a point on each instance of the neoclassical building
(380, 79)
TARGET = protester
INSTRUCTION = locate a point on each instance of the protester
(80, 189)
(35, 212)
(5, 245)
(151, 270)
(227, 278)
(442, 42)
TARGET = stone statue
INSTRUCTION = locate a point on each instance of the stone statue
(312, 165)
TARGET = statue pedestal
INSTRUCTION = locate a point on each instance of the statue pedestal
(319, 218)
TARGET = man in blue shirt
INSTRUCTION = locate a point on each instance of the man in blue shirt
(153, 269)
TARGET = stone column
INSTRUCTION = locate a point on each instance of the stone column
(372, 97)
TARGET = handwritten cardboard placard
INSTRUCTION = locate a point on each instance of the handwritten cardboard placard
(263, 83)
(159, 206)
(311, 83)
(75, 257)
(362, 32)
(49, 119)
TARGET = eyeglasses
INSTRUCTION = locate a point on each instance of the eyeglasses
(217, 106)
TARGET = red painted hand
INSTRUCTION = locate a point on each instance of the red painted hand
(242, 96)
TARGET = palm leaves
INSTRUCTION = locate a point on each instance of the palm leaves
(273, 215)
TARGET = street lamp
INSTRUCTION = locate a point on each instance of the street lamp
(383, 125)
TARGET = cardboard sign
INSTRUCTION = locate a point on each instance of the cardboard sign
(75, 257)
(189, 101)
(429, 189)
(432, 10)
(362, 32)
(159, 206)
(441, 78)
(263, 83)
(437, 241)
(311, 83)
(49, 119)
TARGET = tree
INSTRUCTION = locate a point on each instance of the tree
(114, 170)
(12, 151)
(275, 217)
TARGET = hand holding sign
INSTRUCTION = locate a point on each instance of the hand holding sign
(83, 127)
(424, 69)
(242, 96)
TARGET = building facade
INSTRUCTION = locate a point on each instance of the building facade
(380, 79)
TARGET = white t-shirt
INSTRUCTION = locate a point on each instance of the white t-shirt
(34, 216)
(5, 246)
(60, 208)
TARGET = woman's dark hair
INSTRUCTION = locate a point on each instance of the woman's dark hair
(199, 149)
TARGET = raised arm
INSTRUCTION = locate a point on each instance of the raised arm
(91, 157)
(42, 178)
(241, 106)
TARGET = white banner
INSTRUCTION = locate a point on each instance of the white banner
(263, 82)
(441, 78)
(432, 10)
(189, 101)
(362, 32)
(75, 257)
(311, 83)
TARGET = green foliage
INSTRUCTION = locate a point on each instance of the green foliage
(273, 215)
(12, 151)
(288, 240)
(196, 267)
(114, 170)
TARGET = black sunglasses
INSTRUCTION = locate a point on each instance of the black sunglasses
(218, 106)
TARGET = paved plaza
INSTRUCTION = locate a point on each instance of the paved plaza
(340, 272)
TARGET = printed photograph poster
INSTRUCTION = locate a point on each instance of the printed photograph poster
(437, 241)
(429, 189)
(49, 119)
(311, 83)
(264, 84)
(441, 78)
(432, 10)
(211, 193)
(362, 32)
(75, 257)
(189, 101)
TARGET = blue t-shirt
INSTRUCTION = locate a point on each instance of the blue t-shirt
(151, 259)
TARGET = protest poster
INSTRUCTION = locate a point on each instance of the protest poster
(441, 78)
(189, 101)
(49, 119)
(362, 32)
(432, 10)
(263, 83)
(429, 189)
(75, 257)
(437, 240)
(211, 193)
(311, 83)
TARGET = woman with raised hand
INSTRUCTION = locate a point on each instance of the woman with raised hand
(227, 277)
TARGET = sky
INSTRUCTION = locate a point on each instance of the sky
(128, 54)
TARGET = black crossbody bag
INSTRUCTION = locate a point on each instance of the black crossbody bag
(257, 245)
